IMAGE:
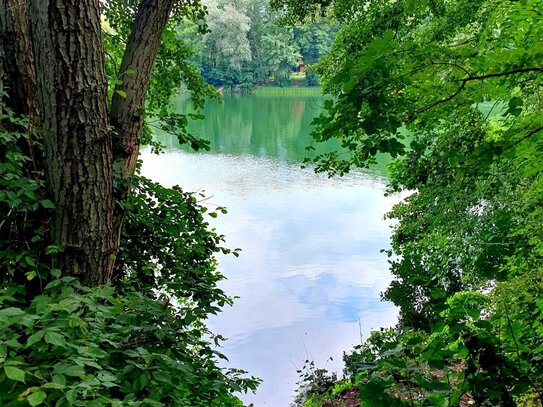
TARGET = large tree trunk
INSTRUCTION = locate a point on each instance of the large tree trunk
(72, 101)
(62, 86)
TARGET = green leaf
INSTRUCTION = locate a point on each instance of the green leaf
(55, 338)
(121, 93)
(14, 373)
(30, 275)
(47, 204)
(71, 396)
(11, 312)
(32, 339)
(152, 403)
(53, 385)
(13, 343)
(35, 399)
(162, 377)
(59, 379)
(73, 370)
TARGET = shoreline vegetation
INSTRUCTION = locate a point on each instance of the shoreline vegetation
(286, 90)
(464, 79)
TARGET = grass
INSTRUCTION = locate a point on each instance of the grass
(298, 76)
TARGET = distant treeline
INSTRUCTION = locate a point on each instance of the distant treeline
(246, 47)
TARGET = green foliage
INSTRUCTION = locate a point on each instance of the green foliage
(466, 358)
(75, 346)
(141, 341)
(452, 90)
(314, 386)
(246, 45)
(168, 247)
(24, 212)
(315, 41)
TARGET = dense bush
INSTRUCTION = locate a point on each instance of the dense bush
(91, 347)
(141, 341)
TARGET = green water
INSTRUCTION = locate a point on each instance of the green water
(310, 271)
(264, 125)
(271, 123)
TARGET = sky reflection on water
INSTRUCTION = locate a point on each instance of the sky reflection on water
(310, 271)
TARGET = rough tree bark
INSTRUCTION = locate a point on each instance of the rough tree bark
(72, 102)
(52, 64)
(17, 79)
(17, 58)
(139, 57)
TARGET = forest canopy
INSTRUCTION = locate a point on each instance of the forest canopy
(246, 46)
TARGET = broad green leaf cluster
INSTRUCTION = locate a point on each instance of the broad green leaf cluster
(75, 346)
(452, 90)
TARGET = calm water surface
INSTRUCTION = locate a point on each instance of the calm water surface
(310, 272)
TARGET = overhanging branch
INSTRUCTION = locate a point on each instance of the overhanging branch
(464, 82)
(525, 137)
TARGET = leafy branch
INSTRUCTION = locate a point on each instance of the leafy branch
(465, 81)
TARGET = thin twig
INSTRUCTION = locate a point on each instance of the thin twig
(434, 104)
(526, 137)
(6, 218)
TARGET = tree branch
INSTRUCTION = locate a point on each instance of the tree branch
(525, 137)
(499, 74)
(126, 115)
(475, 78)
(434, 104)
(135, 72)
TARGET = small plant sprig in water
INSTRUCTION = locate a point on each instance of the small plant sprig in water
(314, 384)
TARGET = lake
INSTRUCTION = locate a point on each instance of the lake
(310, 271)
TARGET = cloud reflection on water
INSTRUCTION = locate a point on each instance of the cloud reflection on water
(310, 268)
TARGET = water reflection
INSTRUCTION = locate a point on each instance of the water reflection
(310, 272)
(275, 126)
